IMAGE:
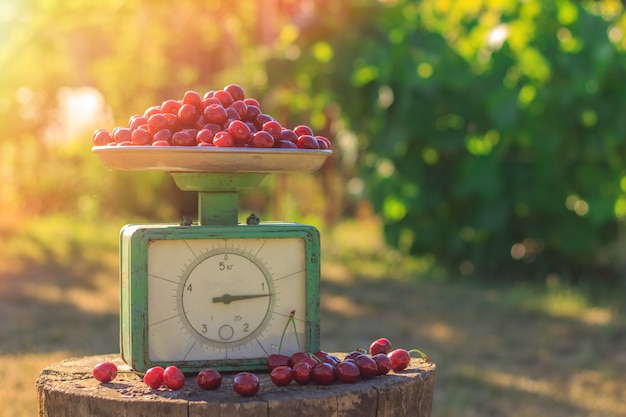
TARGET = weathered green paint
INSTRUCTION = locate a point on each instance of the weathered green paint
(134, 242)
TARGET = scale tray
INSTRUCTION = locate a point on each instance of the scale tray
(210, 159)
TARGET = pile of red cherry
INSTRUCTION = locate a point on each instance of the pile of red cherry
(221, 118)
(321, 368)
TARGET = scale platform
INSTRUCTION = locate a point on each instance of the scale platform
(211, 159)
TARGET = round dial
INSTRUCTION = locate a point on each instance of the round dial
(224, 299)
(226, 296)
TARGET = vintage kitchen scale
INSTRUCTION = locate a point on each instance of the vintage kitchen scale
(220, 293)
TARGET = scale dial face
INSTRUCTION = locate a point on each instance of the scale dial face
(225, 299)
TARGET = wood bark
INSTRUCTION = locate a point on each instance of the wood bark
(68, 389)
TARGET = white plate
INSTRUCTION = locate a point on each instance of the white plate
(196, 159)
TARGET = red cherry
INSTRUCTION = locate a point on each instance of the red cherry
(215, 113)
(210, 100)
(141, 137)
(281, 376)
(236, 91)
(383, 363)
(224, 97)
(241, 108)
(173, 378)
(204, 136)
(353, 355)
(400, 359)
(137, 121)
(288, 134)
(367, 366)
(285, 144)
(193, 98)
(261, 139)
(303, 130)
(307, 142)
(274, 128)
(382, 345)
(188, 114)
(152, 110)
(183, 138)
(102, 137)
(223, 140)
(157, 122)
(171, 106)
(154, 377)
(209, 379)
(347, 372)
(160, 143)
(297, 357)
(162, 135)
(302, 373)
(261, 119)
(252, 112)
(246, 384)
(252, 102)
(105, 372)
(122, 134)
(323, 373)
(323, 142)
(275, 360)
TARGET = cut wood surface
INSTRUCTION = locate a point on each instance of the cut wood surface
(68, 389)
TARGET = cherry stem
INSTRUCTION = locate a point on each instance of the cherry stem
(291, 320)
(422, 354)
(141, 374)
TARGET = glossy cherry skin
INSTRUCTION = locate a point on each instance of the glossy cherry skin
(302, 373)
(275, 360)
(323, 374)
(154, 377)
(382, 345)
(400, 359)
(281, 376)
(209, 379)
(383, 363)
(297, 357)
(367, 366)
(173, 378)
(347, 372)
(246, 384)
(105, 372)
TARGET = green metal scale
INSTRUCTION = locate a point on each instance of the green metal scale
(217, 294)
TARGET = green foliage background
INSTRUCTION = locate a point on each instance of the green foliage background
(488, 135)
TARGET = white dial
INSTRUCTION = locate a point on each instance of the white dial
(220, 299)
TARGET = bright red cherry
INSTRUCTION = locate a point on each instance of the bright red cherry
(383, 363)
(347, 372)
(303, 130)
(105, 372)
(173, 378)
(302, 373)
(323, 373)
(246, 384)
(102, 137)
(209, 379)
(154, 377)
(216, 114)
(281, 376)
(235, 91)
(307, 142)
(382, 345)
(275, 360)
(367, 366)
(224, 97)
(400, 359)
(261, 139)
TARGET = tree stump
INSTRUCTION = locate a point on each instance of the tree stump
(68, 389)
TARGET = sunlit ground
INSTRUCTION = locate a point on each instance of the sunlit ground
(519, 351)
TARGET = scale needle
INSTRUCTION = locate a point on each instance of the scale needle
(227, 298)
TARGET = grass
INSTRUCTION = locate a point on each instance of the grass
(500, 351)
